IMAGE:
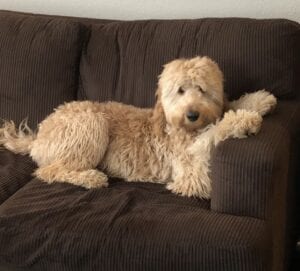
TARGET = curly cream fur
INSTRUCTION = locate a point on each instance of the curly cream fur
(17, 140)
(82, 142)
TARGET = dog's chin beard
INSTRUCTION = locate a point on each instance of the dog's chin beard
(194, 126)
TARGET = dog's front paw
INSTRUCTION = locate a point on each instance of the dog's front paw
(186, 190)
(263, 102)
(239, 124)
(248, 123)
(175, 188)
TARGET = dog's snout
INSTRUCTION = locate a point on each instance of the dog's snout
(192, 115)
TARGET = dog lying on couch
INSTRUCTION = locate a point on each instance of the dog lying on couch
(169, 144)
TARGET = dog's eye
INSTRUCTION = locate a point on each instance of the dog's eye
(200, 89)
(180, 90)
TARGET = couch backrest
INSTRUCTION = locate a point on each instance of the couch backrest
(39, 60)
(123, 59)
(48, 60)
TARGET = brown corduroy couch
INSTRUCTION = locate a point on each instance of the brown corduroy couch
(250, 223)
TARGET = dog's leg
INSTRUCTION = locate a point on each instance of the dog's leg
(69, 146)
(191, 170)
(190, 178)
(59, 172)
(237, 124)
(260, 101)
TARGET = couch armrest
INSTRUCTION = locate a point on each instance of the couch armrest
(15, 172)
(251, 176)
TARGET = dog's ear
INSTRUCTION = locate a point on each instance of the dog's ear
(158, 117)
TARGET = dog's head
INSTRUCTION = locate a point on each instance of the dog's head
(190, 93)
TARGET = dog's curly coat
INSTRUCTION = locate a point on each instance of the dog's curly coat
(169, 144)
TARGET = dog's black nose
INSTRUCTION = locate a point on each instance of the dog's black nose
(192, 115)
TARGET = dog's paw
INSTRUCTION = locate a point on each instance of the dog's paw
(186, 190)
(246, 123)
(260, 101)
(92, 178)
(249, 123)
(88, 179)
(263, 102)
(239, 124)
(175, 188)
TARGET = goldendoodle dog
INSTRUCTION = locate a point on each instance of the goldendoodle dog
(82, 142)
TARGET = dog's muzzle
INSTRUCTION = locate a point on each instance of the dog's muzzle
(192, 115)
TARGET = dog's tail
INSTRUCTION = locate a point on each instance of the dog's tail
(16, 140)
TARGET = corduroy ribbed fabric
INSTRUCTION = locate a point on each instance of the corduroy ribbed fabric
(127, 226)
(245, 172)
(39, 65)
(15, 171)
(136, 226)
(122, 60)
(257, 177)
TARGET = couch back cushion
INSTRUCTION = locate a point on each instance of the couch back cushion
(122, 60)
(39, 59)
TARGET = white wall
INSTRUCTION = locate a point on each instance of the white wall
(159, 9)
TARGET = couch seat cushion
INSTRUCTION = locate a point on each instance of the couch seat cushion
(15, 171)
(127, 226)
